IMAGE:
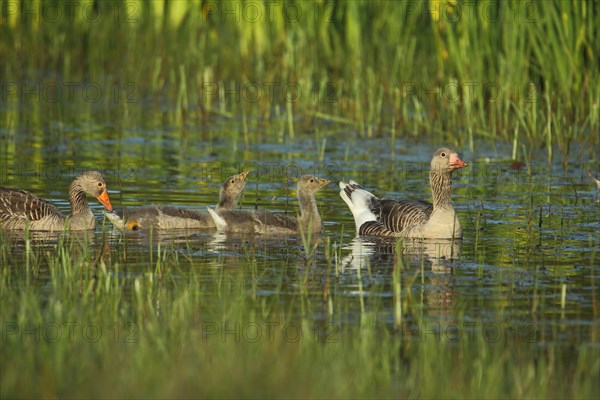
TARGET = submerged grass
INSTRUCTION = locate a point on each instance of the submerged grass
(99, 328)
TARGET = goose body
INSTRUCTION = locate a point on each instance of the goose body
(20, 209)
(169, 217)
(597, 181)
(269, 223)
(409, 218)
(161, 217)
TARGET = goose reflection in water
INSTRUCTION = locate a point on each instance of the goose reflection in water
(436, 290)
(438, 254)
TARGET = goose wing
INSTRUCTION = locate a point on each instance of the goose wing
(156, 211)
(184, 213)
(270, 221)
(398, 215)
(374, 228)
(17, 204)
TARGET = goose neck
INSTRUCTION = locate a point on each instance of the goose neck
(226, 202)
(308, 209)
(77, 198)
(441, 189)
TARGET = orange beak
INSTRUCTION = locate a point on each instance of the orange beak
(456, 163)
(103, 198)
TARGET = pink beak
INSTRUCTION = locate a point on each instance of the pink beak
(456, 163)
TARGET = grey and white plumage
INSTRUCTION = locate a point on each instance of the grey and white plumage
(409, 218)
(170, 217)
(266, 222)
(597, 181)
(20, 209)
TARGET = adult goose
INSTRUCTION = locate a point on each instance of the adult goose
(169, 217)
(409, 218)
(21, 210)
(597, 183)
(266, 222)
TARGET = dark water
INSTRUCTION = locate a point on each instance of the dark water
(528, 264)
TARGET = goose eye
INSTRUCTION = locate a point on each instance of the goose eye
(443, 154)
(99, 184)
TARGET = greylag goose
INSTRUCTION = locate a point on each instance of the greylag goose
(21, 210)
(597, 183)
(169, 217)
(265, 222)
(409, 218)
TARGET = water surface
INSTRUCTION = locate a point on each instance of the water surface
(526, 268)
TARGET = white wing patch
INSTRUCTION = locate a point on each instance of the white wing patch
(359, 202)
(219, 221)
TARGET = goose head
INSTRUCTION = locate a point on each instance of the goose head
(93, 184)
(446, 160)
(234, 185)
(310, 184)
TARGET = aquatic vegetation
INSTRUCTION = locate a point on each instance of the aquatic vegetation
(168, 98)
(166, 315)
(529, 79)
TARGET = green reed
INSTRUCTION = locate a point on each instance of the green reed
(529, 64)
(149, 333)
(164, 323)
